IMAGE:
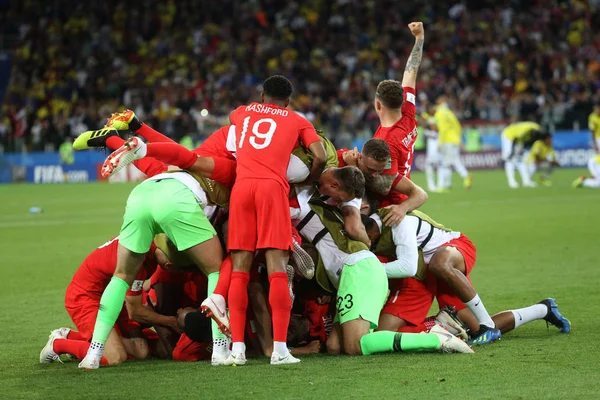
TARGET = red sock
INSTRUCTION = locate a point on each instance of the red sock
(224, 171)
(75, 335)
(78, 348)
(150, 166)
(238, 304)
(222, 287)
(172, 154)
(153, 136)
(114, 142)
(281, 305)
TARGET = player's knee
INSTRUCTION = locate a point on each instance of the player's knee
(115, 356)
(141, 352)
(441, 265)
(333, 346)
(352, 347)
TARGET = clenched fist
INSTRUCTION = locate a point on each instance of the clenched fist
(416, 28)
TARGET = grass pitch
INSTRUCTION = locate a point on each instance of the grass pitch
(532, 244)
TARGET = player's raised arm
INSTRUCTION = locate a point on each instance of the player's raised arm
(414, 60)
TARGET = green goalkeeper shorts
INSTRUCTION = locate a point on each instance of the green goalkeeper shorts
(163, 206)
(363, 289)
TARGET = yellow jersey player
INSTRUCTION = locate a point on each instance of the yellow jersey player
(513, 140)
(542, 158)
(594, 180)
(594, 125)
(449, 129)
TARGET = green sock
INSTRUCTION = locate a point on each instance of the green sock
(386, 341)
(111, 304)
(377, 342)
(419, 342)
(213, 278)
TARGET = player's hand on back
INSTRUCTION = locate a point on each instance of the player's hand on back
(416, 28)
(395, 216)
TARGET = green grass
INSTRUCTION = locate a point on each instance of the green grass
(532, 244)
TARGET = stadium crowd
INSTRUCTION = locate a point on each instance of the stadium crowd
(184, 65)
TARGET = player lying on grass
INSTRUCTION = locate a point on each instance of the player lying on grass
(419, 241)
(594, 180)
(83, 300)
(346, 265)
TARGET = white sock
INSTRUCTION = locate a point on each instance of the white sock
(220, 346)
(238, 347)
(281, 348)
(591, 183)
(430, 174)
(528, 314)
(96, 349)
(478, 309)
(460, 169)
(509, 168)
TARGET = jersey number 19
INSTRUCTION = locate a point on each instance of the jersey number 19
(266, 125)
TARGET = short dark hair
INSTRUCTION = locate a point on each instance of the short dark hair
(352, 180)
(197, 326)
(376, 149)
(278, 87)
(390, 93)
(367, 221)
(298, 330)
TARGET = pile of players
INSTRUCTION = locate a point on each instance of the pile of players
(203, 255)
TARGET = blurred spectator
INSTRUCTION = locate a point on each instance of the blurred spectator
(183, 65)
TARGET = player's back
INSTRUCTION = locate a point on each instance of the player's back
(97, 269)
(520, 129)
(266, 135)
(448, 125)
(220, 143)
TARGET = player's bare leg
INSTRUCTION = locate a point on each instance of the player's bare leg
(259, 302)
(334, 340)
(388, 322)
(135, 344)
(448, 265)
(238, 303)
(208, 256)
(281, 305)
(111, 302)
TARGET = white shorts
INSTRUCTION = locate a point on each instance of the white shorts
(450, 153)
(510, 151)
(433, 151)
(594, 167)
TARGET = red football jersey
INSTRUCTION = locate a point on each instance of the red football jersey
(340, 156)
(97, 269)
(265, 136)
(216, 144)
(401, 138)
